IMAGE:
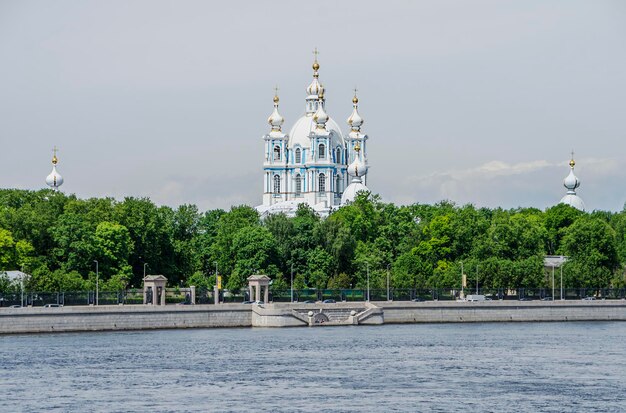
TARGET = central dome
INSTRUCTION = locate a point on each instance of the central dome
(300, 132)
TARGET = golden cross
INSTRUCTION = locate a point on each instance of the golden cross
(315, 52)
(355, 90)
(276, 90)
(572, 154)
(55, 150)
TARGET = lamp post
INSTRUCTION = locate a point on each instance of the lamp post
(292, 282)
(216, 273)
(561, 267)
(388, 281)
(97, 280)
(145, 264)
(22, 285)
(476, 279)
(552, 282)
(368, 281)
(462, 281)
(217, 285)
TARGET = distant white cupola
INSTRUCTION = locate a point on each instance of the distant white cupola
(54, 180)
(571, 182)
(314, 90)
(357, 169)
(276, 120)
(355, 120)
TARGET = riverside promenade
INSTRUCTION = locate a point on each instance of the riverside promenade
(147, 317)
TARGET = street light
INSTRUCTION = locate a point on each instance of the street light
(463, 281)
(388, 281)
(552, 282)
(217, 286)
(476, 279)
(97, 279)
(292, 282)
(22, 285)
(561, 267)
(368, 281)
(145, 264)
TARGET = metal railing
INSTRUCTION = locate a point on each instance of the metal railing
(204, 296)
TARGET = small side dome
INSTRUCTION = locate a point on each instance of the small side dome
(276, 120)
(571, 182)
(315, 88)
(320, 117)
(355, 120)
(357, 168)
(54, 180)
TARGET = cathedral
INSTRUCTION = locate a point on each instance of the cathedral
(315, 163)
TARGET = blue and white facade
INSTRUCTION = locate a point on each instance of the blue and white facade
(310, 164)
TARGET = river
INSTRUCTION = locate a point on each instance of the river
(490, 367)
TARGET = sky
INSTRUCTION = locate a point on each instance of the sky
(475, 102)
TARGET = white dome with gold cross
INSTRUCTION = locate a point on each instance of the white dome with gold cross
(54, 180)
(571, 182)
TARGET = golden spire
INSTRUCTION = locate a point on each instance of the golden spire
(355, 99)
(316, 66)
(571, 162)
(276, 99)
(55, 160)
(357, 147)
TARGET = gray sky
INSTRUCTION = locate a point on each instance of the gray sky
(477, 102)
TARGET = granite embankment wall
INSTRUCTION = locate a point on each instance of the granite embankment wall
(140, 317)
(502, 311)
(103, 318)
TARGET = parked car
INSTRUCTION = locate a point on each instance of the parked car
(15, 306)
(309, 302)
(525, 299)
(52, 305)
(329, 301)
(589, 298)
(247, 302)
(258, 302)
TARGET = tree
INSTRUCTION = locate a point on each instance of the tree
(7, 250)
(229, 224)
(320, 263)
(254, 250)
(590, 244)
(112, 248)
(557, 220)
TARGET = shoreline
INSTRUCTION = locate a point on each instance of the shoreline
(277, 315)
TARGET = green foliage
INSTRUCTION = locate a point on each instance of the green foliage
(56, 238)
(590, 242)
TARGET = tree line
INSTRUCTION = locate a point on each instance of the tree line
(56, 238)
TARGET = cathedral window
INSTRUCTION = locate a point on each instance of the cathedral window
(276, 184)
(338, 155)
(321, 151)
(298, 185)
(338, 183)
(277, 153)
(322, 183)
(298, 155)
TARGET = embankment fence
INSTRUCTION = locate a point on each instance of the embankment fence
(203, 296)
